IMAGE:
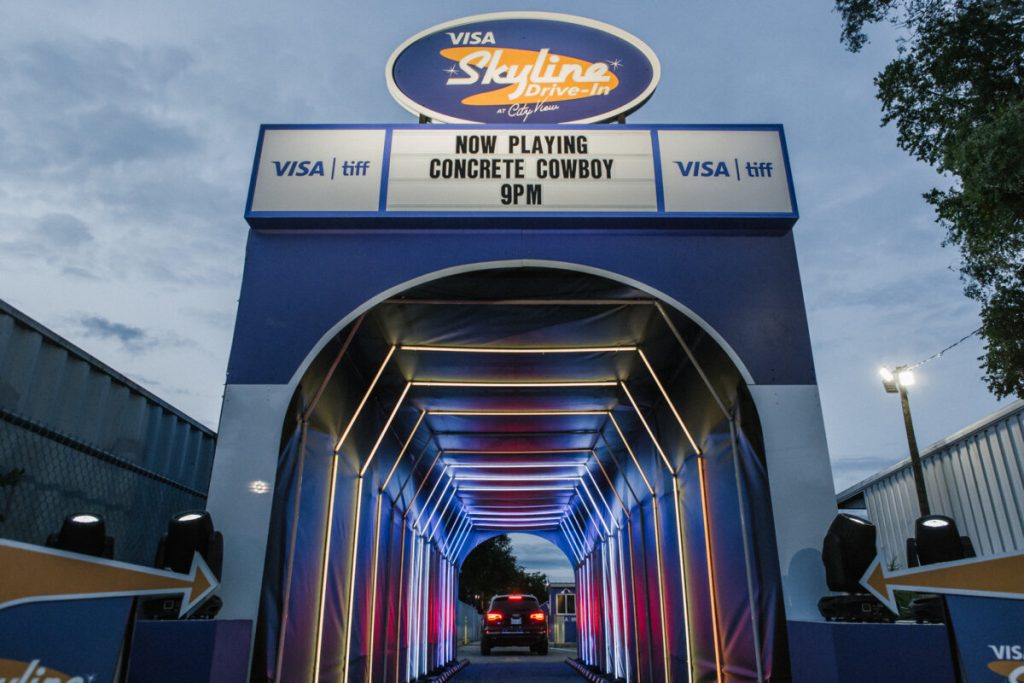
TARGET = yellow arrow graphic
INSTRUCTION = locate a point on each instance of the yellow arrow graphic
(36, 574)
(994, 576)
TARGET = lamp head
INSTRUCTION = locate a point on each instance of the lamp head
(888, 380)
(848, 550)
(893, 379)
(938, 540)
(187, 533)
(84, 533)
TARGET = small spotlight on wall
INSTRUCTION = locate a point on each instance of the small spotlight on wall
(188, 533)
(84, 533)
(848, 549)
(259, 486)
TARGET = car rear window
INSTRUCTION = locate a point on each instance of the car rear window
(524, 603)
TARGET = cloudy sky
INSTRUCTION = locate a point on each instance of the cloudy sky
(127, 132)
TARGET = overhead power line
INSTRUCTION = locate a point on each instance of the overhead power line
(932, 357)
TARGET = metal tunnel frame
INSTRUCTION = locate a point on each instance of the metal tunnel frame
(429, 561)
(334, 556)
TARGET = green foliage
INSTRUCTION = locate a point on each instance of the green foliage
(857, 13)
(491, 569)
(535, 583)
(956, 96)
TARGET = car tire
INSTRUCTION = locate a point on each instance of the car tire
(542, 649)
(485, 648)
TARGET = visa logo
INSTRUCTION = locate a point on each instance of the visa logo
(471, 37)
(1014, 652)
(703, 169)
(299, 168)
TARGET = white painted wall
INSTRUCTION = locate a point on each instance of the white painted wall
(803, 496)
(247, 452)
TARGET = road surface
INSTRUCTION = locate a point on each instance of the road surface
(516, 664)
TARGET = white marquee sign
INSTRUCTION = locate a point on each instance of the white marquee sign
(319, 176)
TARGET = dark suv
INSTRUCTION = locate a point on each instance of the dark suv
(514, 620)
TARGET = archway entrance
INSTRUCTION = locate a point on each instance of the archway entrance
(520, 564)
(575, 406)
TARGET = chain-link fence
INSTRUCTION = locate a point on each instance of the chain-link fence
(45, 476)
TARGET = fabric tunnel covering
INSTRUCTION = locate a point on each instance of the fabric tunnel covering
(534, 400)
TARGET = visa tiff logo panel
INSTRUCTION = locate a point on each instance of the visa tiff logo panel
(714, 171)
(319, 170)
(522, 67)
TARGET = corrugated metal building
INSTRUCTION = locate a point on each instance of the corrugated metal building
(77, 436)
(975, 476)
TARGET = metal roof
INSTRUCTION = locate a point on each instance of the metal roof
(852, 493)
(55, 388)
(57, 340)
(975, 476)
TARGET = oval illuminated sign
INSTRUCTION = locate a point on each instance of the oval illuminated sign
(522, 67)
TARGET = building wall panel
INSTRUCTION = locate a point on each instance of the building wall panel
(90, 439)
(975, 476)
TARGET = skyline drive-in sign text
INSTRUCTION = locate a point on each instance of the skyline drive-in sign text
(522, 67)
(329, 176)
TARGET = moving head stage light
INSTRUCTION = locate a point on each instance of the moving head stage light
(936, 539)
(187, 533)
(848, 550)
(84, 533)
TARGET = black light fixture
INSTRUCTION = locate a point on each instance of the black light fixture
(188, 533)
(847, 551)
(936, 539)
(85, 533)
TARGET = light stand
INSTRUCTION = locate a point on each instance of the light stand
(897, 381)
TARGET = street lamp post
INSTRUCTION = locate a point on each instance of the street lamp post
(897, 381)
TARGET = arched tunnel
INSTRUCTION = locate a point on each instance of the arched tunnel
(550, 400)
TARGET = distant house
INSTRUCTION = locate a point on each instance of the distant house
(562, 610)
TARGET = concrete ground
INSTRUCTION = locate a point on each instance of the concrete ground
(516, 664)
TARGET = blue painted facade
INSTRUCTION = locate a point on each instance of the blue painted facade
(296, 287)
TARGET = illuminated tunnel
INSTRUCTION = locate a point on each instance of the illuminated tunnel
(550, 397)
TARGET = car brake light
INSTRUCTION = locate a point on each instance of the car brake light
(494, 616)
(515, 597)
(537, 616)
